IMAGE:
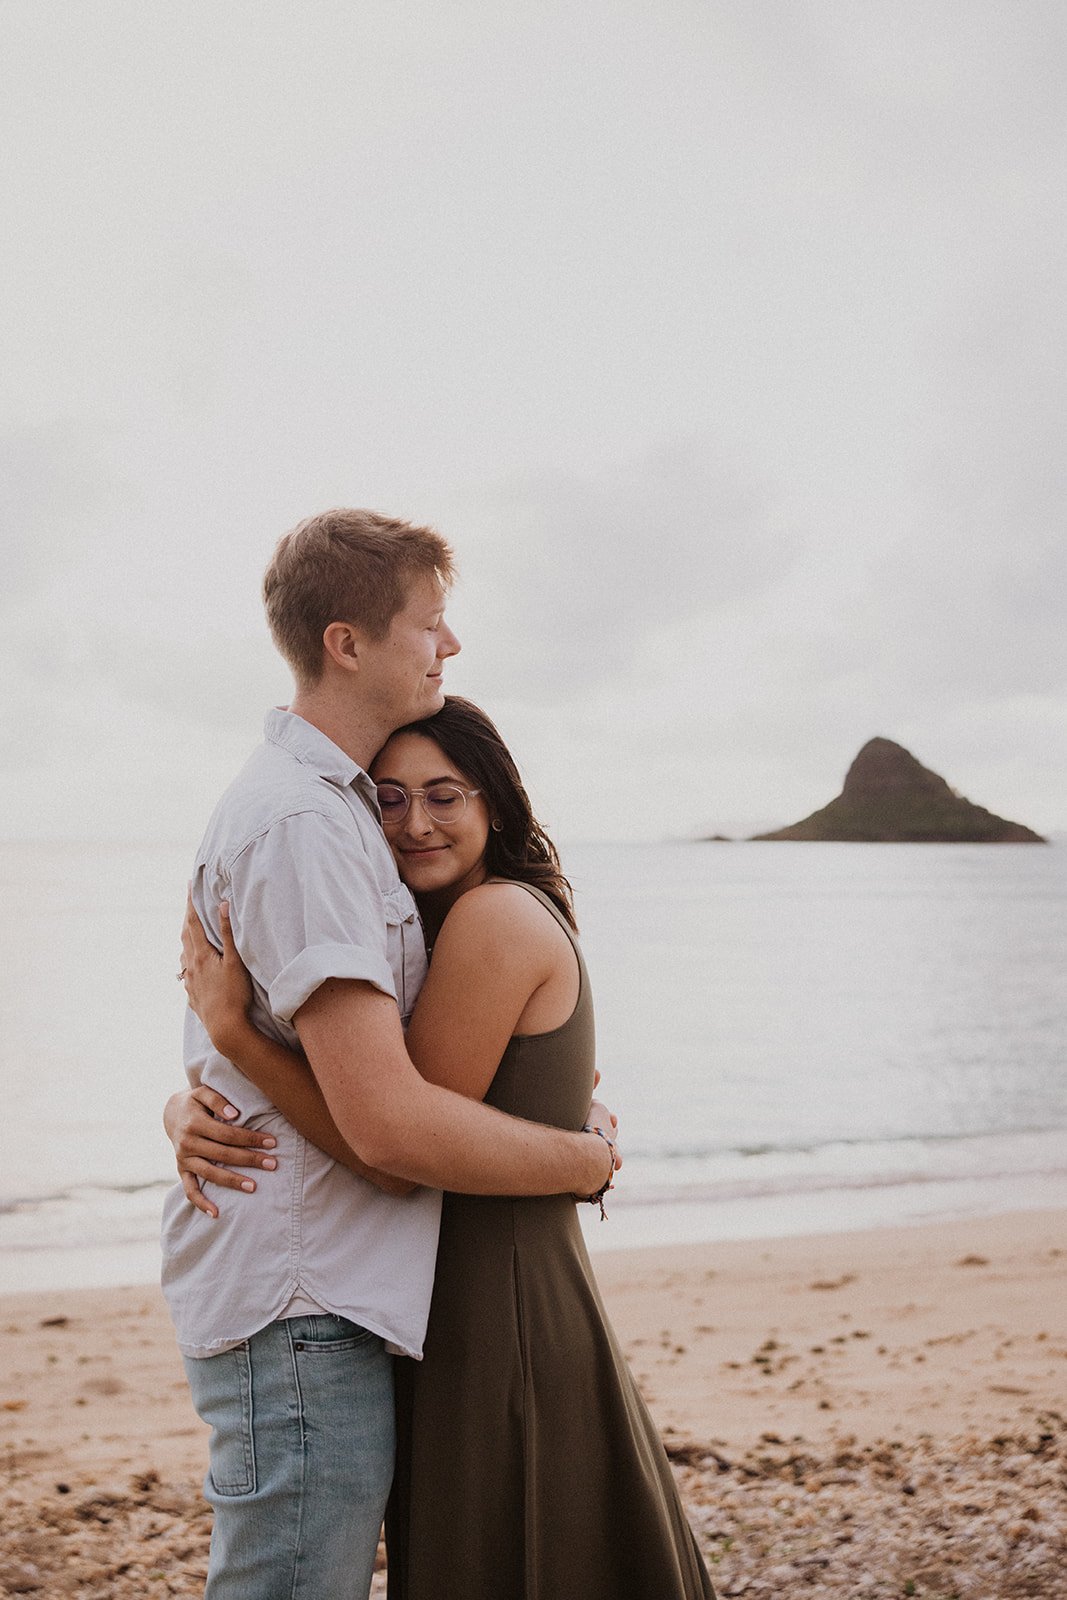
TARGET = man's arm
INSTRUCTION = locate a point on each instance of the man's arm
(220, 991)
(394, 1120)
(284, 1076)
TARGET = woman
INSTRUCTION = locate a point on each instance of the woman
(528, 1467)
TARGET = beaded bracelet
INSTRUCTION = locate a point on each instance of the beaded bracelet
(597, 1199)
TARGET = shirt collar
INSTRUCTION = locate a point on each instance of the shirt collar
(310, 745)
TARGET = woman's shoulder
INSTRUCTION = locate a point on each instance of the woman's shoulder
(498, 939)
(499, 909)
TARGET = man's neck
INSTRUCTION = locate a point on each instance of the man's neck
(357, 735)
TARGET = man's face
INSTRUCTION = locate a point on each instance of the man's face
(402, 673)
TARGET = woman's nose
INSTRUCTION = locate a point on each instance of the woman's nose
(418, 821)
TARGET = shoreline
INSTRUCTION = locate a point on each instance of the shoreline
(687, 1214)
(927, 1327)
(830, 1372)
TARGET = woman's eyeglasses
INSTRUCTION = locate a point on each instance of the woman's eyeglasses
(442, 802)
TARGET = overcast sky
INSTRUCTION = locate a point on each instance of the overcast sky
(725, 341)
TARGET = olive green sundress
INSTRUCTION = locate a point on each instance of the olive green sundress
(528, 1467)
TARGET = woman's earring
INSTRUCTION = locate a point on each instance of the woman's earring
(496, 825)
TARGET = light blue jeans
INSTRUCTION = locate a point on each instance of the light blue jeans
(301, 1459)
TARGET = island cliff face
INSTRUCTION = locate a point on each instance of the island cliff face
(890, 798)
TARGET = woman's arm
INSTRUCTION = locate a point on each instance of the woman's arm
(220, 991)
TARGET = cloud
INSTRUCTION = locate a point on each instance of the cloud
(53, 484)
(567, 578)
(725, 343)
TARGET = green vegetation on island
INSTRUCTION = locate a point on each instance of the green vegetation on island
(891, 798)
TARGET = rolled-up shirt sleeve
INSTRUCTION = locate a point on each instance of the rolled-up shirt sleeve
(305, 906)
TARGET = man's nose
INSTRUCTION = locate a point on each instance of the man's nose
(447, 643)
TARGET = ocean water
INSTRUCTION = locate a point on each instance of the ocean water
(797, 1038)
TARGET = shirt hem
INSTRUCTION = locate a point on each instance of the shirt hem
(396, 1344)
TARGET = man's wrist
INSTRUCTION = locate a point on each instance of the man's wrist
(605, 1145)
(604, 1139)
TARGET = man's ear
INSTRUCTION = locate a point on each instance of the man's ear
(343, 645)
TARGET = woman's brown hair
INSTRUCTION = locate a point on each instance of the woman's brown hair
(518, 846)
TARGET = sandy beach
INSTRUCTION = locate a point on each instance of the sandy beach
(864, 1415)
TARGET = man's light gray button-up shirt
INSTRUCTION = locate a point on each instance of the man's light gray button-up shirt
(296, 847)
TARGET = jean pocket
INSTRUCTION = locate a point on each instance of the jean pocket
(222, 1393)
(329, 1335)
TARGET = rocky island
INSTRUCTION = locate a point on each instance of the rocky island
(891, 798)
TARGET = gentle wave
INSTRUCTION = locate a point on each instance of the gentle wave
(93, 1215)
(83, 1217)
(783, 1188)
(859, 1162)
(704, 1152)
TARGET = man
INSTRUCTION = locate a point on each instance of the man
(287, 1307)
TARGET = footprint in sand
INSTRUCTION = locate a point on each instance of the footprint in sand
(103, 1386)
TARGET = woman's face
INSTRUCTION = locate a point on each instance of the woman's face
(435, 855)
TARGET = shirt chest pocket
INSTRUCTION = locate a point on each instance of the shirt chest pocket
(406, 947)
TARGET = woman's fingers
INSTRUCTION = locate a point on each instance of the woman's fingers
(227, 1136)
(195, 1132)
(188, 947)
(208, 1172)
(600, 1117)
(612, 1118)
(198, 1125)
(232, 965)
(213, 1101)
(229, 948)
(196, 946)
(220, 1126)
(195, 1148)
(196, 1197)
(224, 1112)
(195, 942)
(217, 983)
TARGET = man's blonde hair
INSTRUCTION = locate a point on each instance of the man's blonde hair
(345, 566)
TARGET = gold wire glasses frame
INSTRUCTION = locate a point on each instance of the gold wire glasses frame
(442, 802)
